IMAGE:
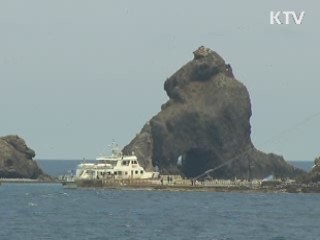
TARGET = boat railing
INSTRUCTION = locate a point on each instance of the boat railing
(125, 182)
(182, 182)
(66, 178)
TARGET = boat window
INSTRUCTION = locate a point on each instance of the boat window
(115, 173)
(125, 163)
(141, 172)
(126, 173)
(137, 172)
(134, 162)
(119, 173)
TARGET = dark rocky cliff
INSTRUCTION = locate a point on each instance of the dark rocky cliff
(16, 159)
(314, 174)
(205, 123)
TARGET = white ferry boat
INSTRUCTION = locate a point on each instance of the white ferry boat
(115, 166)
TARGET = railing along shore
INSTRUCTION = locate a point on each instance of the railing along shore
(180, 182)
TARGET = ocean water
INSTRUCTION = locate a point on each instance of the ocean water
(48, 211)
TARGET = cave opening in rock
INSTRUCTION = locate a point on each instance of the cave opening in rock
(197, 161)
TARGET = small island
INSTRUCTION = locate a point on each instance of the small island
(16, 161)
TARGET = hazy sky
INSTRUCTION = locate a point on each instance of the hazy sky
(76, 74)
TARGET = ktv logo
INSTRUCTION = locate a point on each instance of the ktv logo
(286, 17)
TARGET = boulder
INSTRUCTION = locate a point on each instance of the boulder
(16, 159)
(205, 125)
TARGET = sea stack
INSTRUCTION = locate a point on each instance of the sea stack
(16, 159)
(205, 124)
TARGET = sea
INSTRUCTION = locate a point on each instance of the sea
(49, 211)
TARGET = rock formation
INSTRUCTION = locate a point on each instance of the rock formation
(16, 159)
(205, 124)
(314, 174)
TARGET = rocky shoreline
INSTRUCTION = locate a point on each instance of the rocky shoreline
(155, 185)
(28, 180)
(199, 187)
